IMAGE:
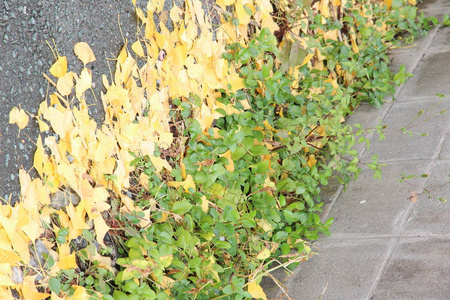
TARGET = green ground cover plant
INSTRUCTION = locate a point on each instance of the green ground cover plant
(208, 164)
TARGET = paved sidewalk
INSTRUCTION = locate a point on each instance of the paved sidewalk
(384, 246)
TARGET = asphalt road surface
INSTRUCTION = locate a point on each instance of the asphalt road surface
(25, 26)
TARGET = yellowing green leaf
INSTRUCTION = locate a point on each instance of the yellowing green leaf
(205, 204)
(59, 68)
(265, 253)
(256, 290)
(18, 116)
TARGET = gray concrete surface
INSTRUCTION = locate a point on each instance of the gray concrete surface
(382, 245)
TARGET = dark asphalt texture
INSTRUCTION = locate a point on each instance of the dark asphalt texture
(25, 26)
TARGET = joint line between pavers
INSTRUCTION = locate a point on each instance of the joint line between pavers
(438, 150)
(327, 211)
(347, 238)
(405, 160)
(383, 267)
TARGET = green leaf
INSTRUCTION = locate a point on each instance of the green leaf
(262, 167)
(238, 153)
(228, 290)
(259, 150)
(366, 32)
(181, 207)
(222, 245)
(55, 285)
(297, 55)
(195, 262)
(185, 239)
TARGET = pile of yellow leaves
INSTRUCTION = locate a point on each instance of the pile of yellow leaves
(93, 160)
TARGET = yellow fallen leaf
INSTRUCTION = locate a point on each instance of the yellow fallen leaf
(33, 229)
(59, 68)
(32, 293)
(64, 84)
(312, 160)
(61, 121)
(5, 280)
(6, 293)
(307, 59)
(188, 183)
(241, 14)
(256, 290)
(18, 116)
(42, 126)
(175, 13)
(236, 82)
(165, 140)
(101, 228)
(123, 54)
(66, 260)
(388, 3)
(230, 165)
(84, 82)
(323, 8)
(84, 52)
(137, 48)
(79, 294)
(224, 3)
(9, 257)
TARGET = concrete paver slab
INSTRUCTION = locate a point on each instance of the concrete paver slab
(342, 270)
(430, 77)
(409, 59)
(432, 4)
(441, 40)
(445, 151)
(401, 146)
(419, 269)
(374, 207)
(430, 216)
